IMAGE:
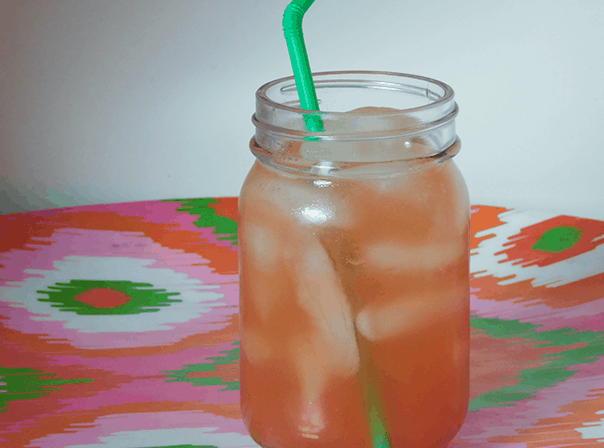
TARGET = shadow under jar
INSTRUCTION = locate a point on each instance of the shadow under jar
(354, 266)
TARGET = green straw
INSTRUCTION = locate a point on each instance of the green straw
(292, 28)
(373, 397)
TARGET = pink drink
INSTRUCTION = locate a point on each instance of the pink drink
(354, 259)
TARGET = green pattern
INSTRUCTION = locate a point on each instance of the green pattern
(558, 239)
(230, 357)
(207, 217)
(537, 378)
(26, 383)
(144, 299)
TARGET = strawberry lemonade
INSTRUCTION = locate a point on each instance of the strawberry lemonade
(354, 268)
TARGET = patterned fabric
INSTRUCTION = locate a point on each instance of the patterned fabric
(119, 328)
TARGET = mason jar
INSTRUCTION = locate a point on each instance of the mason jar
(354, 266)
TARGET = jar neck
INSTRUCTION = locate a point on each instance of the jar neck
(413, 122)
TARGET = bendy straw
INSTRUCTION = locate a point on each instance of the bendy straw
(292, 28)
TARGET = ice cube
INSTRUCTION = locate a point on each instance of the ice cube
(356, 125)
(321, 293)
(260, 258)
(280, 199)
(401, 257)
(406, 315)
(261, 245)
(436, 192)
(330, 348)
(312, 421)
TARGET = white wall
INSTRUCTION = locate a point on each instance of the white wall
(125, 100)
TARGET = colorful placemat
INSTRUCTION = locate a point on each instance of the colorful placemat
(119, 328)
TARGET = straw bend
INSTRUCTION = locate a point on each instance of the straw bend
(294, 13)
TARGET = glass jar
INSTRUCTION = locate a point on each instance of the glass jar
(354, 266)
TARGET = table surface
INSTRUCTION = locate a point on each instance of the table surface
(119, 328)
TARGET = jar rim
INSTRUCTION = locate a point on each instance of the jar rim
(447, 95)
(407, 104)
(410, 118)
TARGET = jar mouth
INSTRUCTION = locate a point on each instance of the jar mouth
(414, 123)
(415, 104)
